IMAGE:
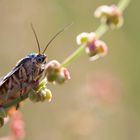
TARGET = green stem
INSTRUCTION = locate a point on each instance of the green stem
(102, 29)
(73, 56)
(122, 5)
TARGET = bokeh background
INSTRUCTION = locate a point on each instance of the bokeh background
(101, 101)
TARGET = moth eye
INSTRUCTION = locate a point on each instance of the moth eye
(40, 60)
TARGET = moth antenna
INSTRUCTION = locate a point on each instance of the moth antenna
(38, 45)
(59, 32)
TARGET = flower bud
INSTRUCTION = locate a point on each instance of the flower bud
(83, 38)
(45, 95)
(41, 95)
(110, 15)
(55, 73)
(51, 70)
(62, 76)
(94, 47)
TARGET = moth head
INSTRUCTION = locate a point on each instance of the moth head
(38, 58)
(41, 58)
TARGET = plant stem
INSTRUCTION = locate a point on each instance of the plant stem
(101, 30)
(122, 5)
(73, 56)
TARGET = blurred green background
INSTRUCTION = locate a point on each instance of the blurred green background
(101, 101)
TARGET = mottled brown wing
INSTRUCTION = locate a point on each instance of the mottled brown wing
(14, 70)
(5, 78)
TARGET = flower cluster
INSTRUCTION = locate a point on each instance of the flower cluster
(55, 73)
(16, 127)
(95, 48)
(58, 73)
(110, 15)
(40, 93)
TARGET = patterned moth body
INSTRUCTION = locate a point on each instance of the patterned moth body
(26, 75)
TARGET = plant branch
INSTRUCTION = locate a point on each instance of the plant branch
(101, 30)
(122, 5)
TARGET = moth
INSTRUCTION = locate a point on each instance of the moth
(26, 74)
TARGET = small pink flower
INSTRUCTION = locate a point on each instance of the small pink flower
(103, 87)
(84, 37)
(94, 47)
(65, 73)
(17, 126)
(55, 73)
(111, 15)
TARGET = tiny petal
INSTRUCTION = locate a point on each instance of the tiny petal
(62, 76)
(101, 47)
(91, 37)
(46, 95)
(96, 49)
(65, 73)
(102, 10)
(82, 38)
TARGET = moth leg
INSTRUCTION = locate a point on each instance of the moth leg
(17, 106)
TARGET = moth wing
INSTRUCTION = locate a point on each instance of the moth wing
(14, 70)
(4, 79)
